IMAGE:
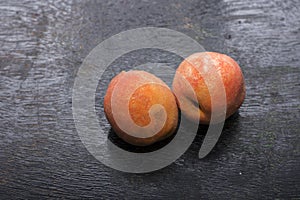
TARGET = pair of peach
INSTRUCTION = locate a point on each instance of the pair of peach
(142, 109)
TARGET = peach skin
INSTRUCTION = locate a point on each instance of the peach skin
(140, 107)
(197, 76)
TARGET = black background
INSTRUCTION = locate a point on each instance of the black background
(43, 43)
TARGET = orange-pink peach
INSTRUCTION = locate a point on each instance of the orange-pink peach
(152, 91)
(194, 70)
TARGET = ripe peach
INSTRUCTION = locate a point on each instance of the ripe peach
(140, 107)
(199, 72)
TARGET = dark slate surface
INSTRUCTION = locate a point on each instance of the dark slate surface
(43, 43)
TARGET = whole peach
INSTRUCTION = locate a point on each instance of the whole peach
(200, 72)
(140, 107)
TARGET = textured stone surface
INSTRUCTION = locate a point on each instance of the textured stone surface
(43, 44)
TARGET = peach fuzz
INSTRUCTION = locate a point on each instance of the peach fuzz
(148, 90)
(197, 72)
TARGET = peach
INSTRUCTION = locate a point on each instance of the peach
(199, 73)
(140, 107)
